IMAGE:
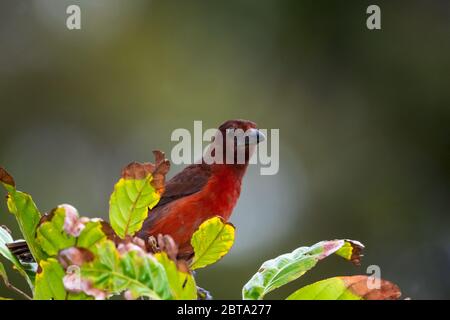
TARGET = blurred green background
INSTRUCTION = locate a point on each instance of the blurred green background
(363, 116)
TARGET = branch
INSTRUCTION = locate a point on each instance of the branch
(12, 287)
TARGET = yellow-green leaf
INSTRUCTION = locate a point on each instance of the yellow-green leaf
(63, 228)
(51, 235)
(213, 239)
(49, 283)
(129, 204)
(91, 235)
(24, 209)
(138, 190)
(182, 284)
(348, 288)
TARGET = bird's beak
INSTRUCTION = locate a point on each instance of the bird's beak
(260, 137)
(252, 137)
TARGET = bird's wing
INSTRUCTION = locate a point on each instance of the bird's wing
(189, 181)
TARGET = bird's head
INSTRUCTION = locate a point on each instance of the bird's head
(237, 139)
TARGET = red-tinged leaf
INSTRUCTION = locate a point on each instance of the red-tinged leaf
(283, 269)
(348, 288)
(75, 284)
(73, 224)
(138, 190)
(74, 256)
(115, 270)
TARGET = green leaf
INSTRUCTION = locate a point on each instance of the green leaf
(51, 235)
(3, 273)
(347, 288)
(63, 228)
(49, 283)
(135, 271)
(290, 266)
(91, 235)
(213, 239)
(182, 284)
(22, 206)
(27, 270)
(138, 190)
(129, 204)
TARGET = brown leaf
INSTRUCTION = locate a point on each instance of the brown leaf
(183, 266)
(165, 243)
(162, 168)
(356, 255)
(139, 242)
(74, 256)
(6, 178)
(132, 244)
(137, 170)
(47, 217)
(109, 232)
(168, 245)
(359, 286)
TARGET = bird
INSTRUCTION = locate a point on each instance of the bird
(209, 188)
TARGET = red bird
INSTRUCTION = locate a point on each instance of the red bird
(199, 192)
(204, 190)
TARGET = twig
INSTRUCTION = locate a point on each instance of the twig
(10, 286)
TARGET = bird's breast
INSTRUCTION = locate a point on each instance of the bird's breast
(182, 217)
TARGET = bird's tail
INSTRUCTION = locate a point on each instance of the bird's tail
(20, 249)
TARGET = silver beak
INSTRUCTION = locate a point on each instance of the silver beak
(251, 137)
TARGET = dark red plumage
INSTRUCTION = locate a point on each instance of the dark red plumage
(199, 192)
